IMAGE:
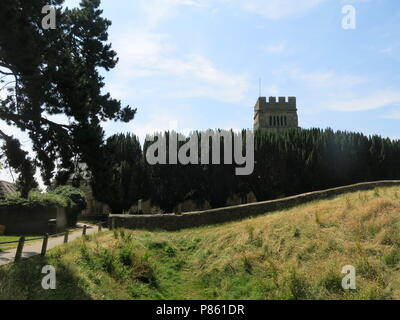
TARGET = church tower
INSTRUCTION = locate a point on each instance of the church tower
(275, 116)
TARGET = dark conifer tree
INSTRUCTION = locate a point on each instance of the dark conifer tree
(56, 72)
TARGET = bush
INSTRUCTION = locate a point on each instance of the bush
(35, 199)
(76, 202)
(75, 197)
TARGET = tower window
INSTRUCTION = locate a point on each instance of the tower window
(270, 121)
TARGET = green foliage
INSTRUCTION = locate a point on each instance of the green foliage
(18, 160)
(297, 286)
(76, 198)
(332, 281)
(59, 74)
(123, 264)
(173, 184)
(392, 258)
(35, 199)
(300, 161)
(168, 184)
(123, 181)
(286, 163)
(247, 265)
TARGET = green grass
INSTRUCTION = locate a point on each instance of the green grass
(292, 254)
(9, 239)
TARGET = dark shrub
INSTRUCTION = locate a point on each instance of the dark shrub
(76, 202)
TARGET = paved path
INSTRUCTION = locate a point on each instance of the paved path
(35, 248)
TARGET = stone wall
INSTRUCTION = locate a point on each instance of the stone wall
(216, 216)
(31, 221)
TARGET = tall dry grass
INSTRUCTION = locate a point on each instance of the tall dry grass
(292, 254)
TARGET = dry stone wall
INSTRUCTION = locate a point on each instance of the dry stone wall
(172, 222)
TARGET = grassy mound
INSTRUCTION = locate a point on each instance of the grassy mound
(293, 254)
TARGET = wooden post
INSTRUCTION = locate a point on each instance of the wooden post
(100, 227)
(84, 230)
(44, 245)
(66, 236)
(112, 223)
(20, 247)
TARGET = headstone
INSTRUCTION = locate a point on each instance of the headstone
(140, 206)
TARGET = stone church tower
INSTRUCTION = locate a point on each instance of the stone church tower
(275, 115)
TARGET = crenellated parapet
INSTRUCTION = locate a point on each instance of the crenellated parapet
(275, 114)
(273, 103)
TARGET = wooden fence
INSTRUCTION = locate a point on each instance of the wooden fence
(22, 240)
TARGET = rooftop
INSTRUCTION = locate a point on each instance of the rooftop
(6, 188)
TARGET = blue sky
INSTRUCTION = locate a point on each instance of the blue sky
(190, 64)
(196, 64)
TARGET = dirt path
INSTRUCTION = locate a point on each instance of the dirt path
(35, 248)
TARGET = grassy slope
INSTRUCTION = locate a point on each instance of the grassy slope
(293, 254)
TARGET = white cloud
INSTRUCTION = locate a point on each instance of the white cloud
(3, 93)
(157, 11)
(275, 48)
(324, 79)
(375, 100)
(184, 2)
(145, 54)
(154, 12)
(393, 115)
(331, 79)
(278, 9)
(273, 90)
(159, 120)
(354, 1)
(387, 51)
